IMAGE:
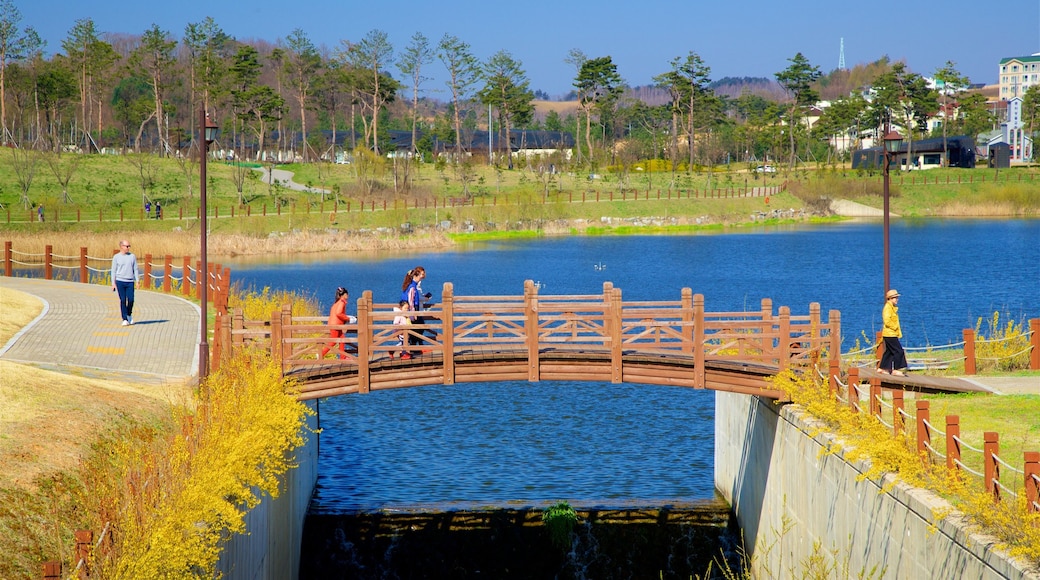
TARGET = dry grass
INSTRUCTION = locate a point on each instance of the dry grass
(186, 243)
(48, 420)
(19, 309)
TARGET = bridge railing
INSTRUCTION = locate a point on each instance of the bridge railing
(531, 336)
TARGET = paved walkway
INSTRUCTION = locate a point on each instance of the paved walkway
(80, 331)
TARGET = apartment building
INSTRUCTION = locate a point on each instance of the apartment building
(1018, 73)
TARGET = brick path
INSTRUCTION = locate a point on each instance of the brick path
(80, 331)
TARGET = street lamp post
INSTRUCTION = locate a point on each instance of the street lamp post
(208, 130)
(892, 141)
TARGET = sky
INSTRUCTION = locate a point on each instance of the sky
(752, 38)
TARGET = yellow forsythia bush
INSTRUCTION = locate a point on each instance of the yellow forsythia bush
(182, 495)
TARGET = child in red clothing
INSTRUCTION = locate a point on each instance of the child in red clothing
(338, 316)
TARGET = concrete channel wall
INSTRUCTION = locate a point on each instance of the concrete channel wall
(270, 548)
(769, 466)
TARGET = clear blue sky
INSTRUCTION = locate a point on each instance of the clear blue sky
(742, 38)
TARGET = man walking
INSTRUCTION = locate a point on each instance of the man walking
(124, 278)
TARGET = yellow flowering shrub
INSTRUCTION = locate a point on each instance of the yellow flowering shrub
(172, 496)
(864, 437)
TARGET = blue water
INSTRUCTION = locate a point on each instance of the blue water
(592, 443)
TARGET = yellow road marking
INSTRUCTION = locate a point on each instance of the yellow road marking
(106, 350)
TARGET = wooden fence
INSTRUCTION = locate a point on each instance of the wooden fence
(855, 394)
(169, 275)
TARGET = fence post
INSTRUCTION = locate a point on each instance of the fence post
(698, 341)
(287, 348)
(8, 263)
(853, 392)
(531, 330)
(48, 262)
(148, 271)
(897, 411)
(52, 570)
(185, 277)
(687, 320)
(953, 444)
(879, 349)
(616, 362)
(84, 273)
(238, 322)
(364, 341)
(276, 339)
(1032, 480)
(167, 273)
(924, 434)
(217, 352)
(875, 397)
(448, 331)
(833, 371)
(990, 452)
(783, 357)
(969, 351)
(814, 333)
(84, 539)
(1034, 342)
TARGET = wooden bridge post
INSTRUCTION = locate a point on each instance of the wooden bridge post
(448, 331)
(1034, 342)
(897, 411)
(853, 391)
(531, 329)
(924, 434)
(617, 371)
(364, 341)
(814, 333)
(276, 338)
(834, 324)
(1032, 485)
(48, 262)
(879, 348)
(687, 319)
(784, 354)
(286, 316)
(84, 273)
(238, 322)
(698, 341)
(990, 452)
(969, 351)
(953, 445)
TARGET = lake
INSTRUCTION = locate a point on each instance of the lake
(605, 444)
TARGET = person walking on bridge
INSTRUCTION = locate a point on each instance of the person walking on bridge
(338, 316)
(894, 358)
(124, 279)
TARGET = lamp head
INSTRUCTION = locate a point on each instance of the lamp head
(892, 141)
(211, 130)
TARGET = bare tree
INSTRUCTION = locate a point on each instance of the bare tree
(372, 54)
(63, 166)
(302, 64)
(24, 162)
(463, 72)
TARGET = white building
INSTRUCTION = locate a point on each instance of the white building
(1018, 73)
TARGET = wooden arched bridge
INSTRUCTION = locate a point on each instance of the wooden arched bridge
(531, 337)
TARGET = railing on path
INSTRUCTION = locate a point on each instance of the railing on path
(883, 403)
(332, 207)
(170, 275)
(532, 337)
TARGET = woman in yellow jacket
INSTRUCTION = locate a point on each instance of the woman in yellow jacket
(894, 358)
